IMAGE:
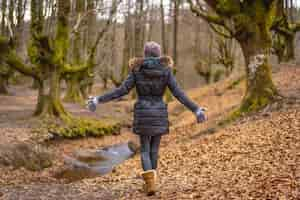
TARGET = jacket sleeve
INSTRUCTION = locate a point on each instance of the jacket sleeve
(179, 94)
(120, 91)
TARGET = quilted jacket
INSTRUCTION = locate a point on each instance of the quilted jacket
(151, 77)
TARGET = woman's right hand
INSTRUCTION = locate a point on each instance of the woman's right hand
(92, 103)
(200, 115)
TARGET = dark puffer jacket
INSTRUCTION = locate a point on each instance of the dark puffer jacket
(151, 77)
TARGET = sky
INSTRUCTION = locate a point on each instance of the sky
(156, 2)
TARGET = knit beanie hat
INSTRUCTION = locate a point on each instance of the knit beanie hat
(152, 49)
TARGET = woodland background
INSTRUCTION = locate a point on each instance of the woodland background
(239, 59)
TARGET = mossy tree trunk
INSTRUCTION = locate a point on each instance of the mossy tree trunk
(73, 93)
(285, 30)
(278, 47)
(35, 84)
(260, 88)
(284, 44)
(255, 40)
(250, 23)
(290, 48)
(285, 47)
(47, 63)
(52, 104)
(5, 74)
(50, 65)
(49, 103)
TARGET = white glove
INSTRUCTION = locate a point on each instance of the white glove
(200, 114)
(92, 103)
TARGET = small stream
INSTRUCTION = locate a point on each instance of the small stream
(90, 163)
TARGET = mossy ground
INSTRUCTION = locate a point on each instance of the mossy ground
(83, 127)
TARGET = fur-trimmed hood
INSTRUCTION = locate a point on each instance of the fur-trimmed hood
(137, 62)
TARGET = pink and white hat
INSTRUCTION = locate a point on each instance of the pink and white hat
(152, 49)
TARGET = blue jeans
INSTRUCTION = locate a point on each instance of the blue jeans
(149, 151)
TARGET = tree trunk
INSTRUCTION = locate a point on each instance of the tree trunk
(73, 93)
(163, 29)
(139, 29)
(3, 85)
(35, 84)
(260, 88)
(11, 16)
(175, 31)
(127, 42)
(49, 103)
(48, 97)
(149, 19)
(290, 48)
(40, 99)
(3, 16)
(19, 25)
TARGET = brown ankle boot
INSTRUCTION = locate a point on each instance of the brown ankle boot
(149, 178)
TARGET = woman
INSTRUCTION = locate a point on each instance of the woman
(151, 76)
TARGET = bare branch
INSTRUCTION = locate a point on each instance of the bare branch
(106, 27)
(212, 19)
(80, 18)
(11, 33)
(215, 29)
(199, 11)
(296, 27)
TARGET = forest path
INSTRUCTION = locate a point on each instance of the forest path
(256, 157)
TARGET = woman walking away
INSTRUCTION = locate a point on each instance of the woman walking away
(151, 76)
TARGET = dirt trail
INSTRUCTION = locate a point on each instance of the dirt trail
(256, 157)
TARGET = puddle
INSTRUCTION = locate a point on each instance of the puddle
(88, 163)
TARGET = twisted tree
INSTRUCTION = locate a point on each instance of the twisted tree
(285, 31)
(12, 18)
(250, 23)
(73, 93)
(50, 65)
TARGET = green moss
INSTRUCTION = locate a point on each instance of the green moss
(261, 90)
(243, 24)
(272, 14)
(228, 7)
(78, 127)
(203, 69)
(235, 83)
(73, 93)
(260, 93)
(253, 104)
(33, 52)
(4, 46)
(217, 75)
(278, 46)
(61, 40)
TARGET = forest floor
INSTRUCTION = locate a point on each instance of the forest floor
(256, 157)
